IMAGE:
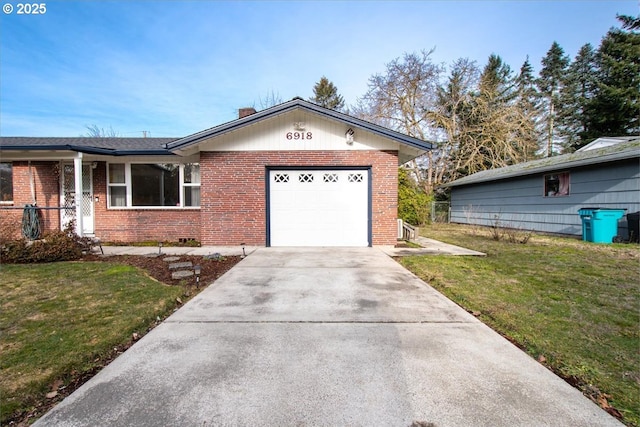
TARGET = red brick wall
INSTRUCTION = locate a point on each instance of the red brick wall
(47, 194)
(233, 207)
(233, 198)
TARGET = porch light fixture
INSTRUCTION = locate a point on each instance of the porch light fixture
(349, 136)
(197, 270)
(94, 165)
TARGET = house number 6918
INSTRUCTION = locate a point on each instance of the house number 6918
(299, 135)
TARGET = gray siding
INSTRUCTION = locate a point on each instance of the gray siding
(520, 203)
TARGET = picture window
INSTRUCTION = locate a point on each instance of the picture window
(153, 185)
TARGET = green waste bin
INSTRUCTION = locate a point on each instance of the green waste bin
(600, 225)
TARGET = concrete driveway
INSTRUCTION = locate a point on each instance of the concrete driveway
(324, 337)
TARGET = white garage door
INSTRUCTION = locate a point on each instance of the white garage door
(319, 207)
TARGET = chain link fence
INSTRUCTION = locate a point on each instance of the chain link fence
(440, 212)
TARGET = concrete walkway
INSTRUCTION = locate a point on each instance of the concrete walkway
(324, 337)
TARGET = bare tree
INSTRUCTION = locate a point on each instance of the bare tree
(401, 99)
(93, 131)
(451, 116)
(269, 100)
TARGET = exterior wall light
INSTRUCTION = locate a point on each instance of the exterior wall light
(349, 136)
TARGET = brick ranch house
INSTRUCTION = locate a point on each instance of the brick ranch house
(295, 174)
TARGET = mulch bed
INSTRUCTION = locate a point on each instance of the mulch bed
(157, 268)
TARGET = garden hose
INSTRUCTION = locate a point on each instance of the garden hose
(30, 222)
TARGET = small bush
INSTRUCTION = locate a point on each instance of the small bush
(55, 246)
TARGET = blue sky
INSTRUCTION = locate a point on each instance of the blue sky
(173, 68)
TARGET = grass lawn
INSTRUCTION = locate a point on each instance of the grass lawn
(61, 320)
(573, 305)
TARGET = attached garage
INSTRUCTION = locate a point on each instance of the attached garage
(319, 207)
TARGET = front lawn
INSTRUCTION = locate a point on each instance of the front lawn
(60, 322)
(573, 305)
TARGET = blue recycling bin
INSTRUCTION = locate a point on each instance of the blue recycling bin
(600, 225)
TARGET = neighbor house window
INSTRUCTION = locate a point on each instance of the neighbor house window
(6, 182)
(154, 185)
(556, 184)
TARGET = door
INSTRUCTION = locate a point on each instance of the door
(68, 195)
(319, 208)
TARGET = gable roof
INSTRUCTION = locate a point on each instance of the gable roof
(607, 141)
(301, 104)
(172, 146)
(621, 151)
(104, 146)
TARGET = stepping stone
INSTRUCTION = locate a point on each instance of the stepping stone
(171, 258)
(177, 265)
(182, 274)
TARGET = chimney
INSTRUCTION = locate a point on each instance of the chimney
(244, 112)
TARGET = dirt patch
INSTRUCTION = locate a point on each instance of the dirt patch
(157, 268)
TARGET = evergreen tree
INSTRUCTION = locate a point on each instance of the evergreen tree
(550, 82)
(326, 95)
(528, 104)
(576, 94)
(615, 107)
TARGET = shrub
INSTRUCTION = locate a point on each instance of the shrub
(55, 246)
(413, 202)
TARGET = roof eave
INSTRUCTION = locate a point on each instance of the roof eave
(611, 157)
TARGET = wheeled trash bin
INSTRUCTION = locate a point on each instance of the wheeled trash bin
(600, 225)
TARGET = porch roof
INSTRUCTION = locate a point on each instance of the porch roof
(101, 146)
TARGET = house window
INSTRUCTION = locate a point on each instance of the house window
(556, 184)
(154, 185)
(6, 182)
(191, 184)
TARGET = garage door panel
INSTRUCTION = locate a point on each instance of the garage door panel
(319, 208)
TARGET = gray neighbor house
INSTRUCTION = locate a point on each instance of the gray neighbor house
(545, 195)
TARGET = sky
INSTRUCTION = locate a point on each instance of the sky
(173, 68)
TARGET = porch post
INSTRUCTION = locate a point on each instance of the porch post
(77, 168)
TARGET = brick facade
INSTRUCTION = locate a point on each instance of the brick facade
(233, 198)
(46, 184)
(233, 208)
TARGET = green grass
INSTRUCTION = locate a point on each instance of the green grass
(575, 303)
(63, 318)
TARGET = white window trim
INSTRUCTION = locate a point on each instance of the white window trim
(129, 193)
